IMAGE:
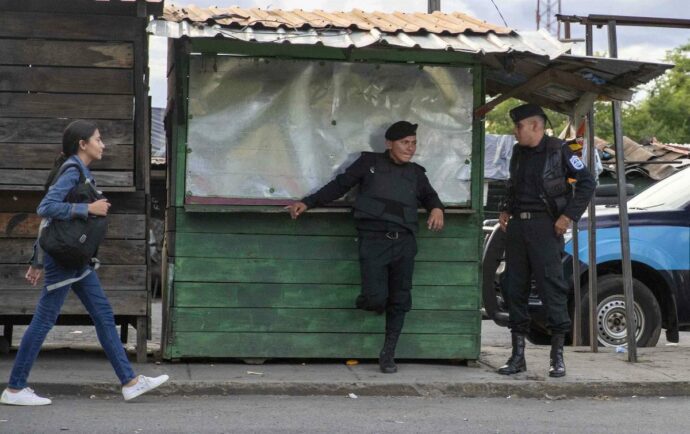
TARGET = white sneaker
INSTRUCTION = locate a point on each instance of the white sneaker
(26, 396)
(144, 384)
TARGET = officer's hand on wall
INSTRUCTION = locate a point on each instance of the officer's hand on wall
(435, 221)
(562, 225)
(503, 220)
(296, 209)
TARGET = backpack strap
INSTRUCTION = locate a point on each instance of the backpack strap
(95, 265)
(66, 165)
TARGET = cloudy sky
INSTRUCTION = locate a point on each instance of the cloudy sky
(648, 44)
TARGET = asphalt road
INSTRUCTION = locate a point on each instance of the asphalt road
(265, 414)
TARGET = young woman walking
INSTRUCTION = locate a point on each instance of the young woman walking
(81, 145)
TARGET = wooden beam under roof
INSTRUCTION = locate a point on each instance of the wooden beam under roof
(558, 106)
(525, 91)
(527, 87)
(580, 83)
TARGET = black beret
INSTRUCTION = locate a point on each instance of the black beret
(526, 111)
(401, 129)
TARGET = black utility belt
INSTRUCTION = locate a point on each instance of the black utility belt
(390, 235)
(531, 215)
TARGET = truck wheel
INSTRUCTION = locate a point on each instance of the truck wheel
(493, 267)
(611, 321)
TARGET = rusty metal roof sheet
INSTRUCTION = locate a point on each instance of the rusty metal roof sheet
(437, 31)
(539, 43)
(413, 22)
(512, 58)
(562, 95)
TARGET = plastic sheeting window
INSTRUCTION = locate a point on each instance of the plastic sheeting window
(270, 131)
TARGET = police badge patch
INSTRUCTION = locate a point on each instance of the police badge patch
(576, 162)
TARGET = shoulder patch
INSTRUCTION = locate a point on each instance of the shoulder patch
(576, 162)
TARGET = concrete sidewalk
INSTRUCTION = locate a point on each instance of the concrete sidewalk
(73, 363)
(660, 372)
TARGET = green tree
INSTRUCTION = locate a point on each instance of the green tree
(665, 112)
(498, 121)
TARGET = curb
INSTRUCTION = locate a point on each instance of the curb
(516, 389)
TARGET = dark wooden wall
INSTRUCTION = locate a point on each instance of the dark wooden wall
(58, 67)
(123, 255)
(59, 61)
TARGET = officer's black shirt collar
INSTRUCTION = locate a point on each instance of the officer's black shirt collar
(539, 148)
(387, 153)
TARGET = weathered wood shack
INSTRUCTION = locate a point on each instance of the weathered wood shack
(264, 107)
(60, 61)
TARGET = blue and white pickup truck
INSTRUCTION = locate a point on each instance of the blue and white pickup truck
(659, 220)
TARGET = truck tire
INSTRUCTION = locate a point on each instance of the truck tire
(492, 259)
(610, 313)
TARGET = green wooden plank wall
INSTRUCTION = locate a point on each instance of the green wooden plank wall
(261, 285)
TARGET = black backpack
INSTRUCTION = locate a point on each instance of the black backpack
(73, 243)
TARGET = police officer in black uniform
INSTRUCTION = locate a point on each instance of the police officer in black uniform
(539, 209)
(390, 190)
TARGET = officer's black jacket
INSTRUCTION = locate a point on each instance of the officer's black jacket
(526, 191)
(357, 172)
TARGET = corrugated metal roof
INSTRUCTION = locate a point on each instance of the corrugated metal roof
(540, 43)
(512, 58)
(562, 95)
(438, 23)
(437, 31)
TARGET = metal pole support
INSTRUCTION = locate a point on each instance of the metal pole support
(433, 5)
(577, 290)
(631, 324)
(592, 218)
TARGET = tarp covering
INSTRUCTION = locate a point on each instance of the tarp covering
(157, 135)
(280, 129)
(497, 153)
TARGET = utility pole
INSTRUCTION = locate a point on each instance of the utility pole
(546, 16)
(434, 5)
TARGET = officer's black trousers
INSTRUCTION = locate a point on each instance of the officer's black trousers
(386, 267)
(534, 249)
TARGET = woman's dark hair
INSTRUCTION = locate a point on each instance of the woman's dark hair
(75, 131)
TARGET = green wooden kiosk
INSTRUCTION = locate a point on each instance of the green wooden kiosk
(266, 106)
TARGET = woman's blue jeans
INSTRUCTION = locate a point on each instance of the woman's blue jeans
(91, 294)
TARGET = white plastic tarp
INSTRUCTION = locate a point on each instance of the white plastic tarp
(280, 129)
(498, 148)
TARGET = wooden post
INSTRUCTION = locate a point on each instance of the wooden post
(143, 143)
(7, 333)
(142, 327)
(124, 332)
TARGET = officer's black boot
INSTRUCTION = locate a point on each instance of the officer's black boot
(557, 365)
(394, 323)
(516, 363)
(387, 355)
